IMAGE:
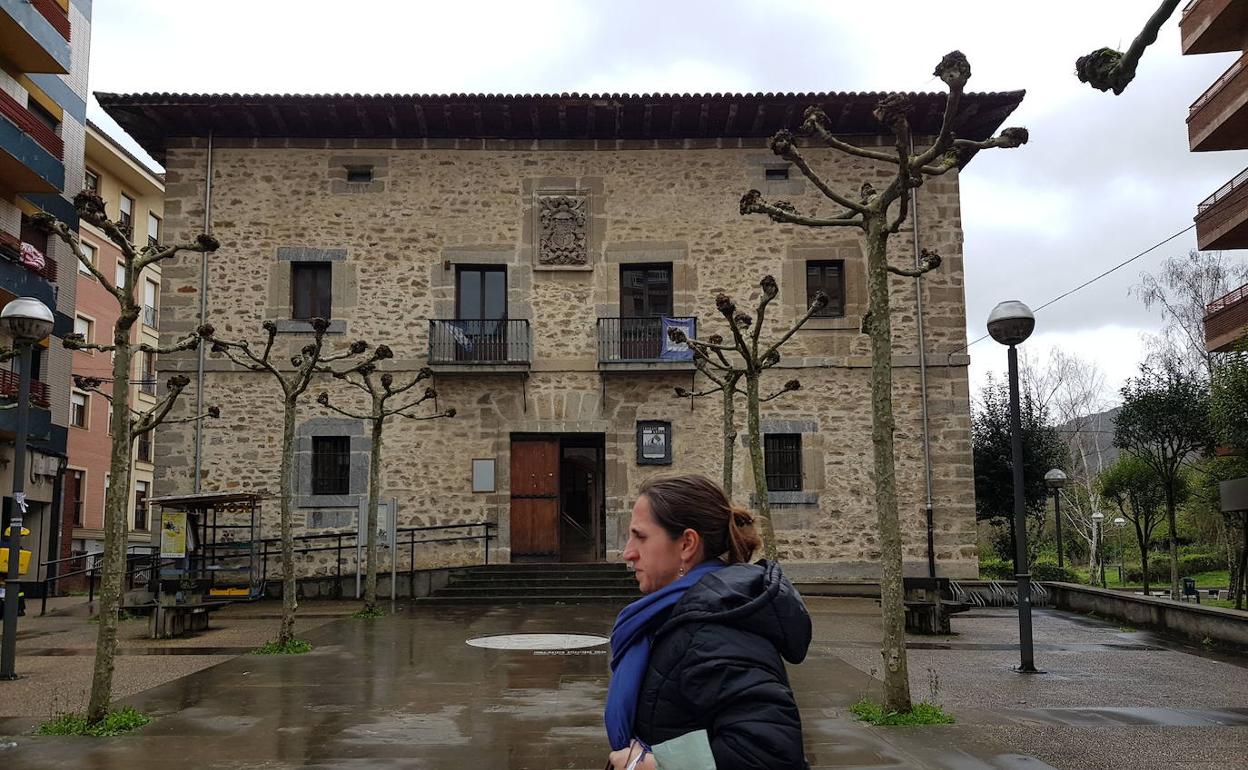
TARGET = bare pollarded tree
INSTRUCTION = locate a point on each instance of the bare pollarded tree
(293, 381)
(749, 359)
(380, 391)
(1106, 69)
(879, 214)
(129, 424)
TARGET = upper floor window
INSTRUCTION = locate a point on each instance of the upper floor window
(645, 290)
(153, 229)
(78, 409)
(140, 505)
(119, 277)
(89, 252)
(126, 215)
(84, 326)
(782, 458)
(91, 181)
(829, 276)
(147, 373)
(311, 290)
(150, 290)
(481, 292)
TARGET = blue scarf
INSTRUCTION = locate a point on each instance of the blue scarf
(630, 651)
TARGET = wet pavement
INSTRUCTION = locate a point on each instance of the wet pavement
(409, 692)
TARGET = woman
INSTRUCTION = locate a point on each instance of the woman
(702, 649)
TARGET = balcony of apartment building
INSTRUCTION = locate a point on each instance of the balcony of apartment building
(1226, 320)
(31, 152)
(478, 346)
(25, 268)
(1214, 26)
(34, 35)
(1222, 218)
(641, 344)
(1218, 120)
(40, 416)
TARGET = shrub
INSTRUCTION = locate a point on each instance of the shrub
(1196, 563)
(995, 569)
(117, 722)
(1047, 569)
(922, 713)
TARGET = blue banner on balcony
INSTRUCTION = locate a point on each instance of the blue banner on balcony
(677, 351)
(456, 331)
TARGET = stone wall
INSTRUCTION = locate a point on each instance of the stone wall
(429, 209)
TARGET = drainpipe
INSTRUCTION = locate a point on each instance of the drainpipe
(927, 438)
(203, 318)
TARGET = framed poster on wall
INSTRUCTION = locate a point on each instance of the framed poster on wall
(654, 442)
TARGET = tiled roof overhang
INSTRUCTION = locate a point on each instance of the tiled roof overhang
(152, 119)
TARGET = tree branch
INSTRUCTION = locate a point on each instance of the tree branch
(1105, 69)
(189, 342)
(789, 387)
(91, 385)
(51, 224)
(820, 302)
(782, 145)
(752, 203)
(928, 261)
(78, 342)
(816, 122)
(323, 400)
(203, 243)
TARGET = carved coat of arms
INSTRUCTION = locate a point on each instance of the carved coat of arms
(563, 235)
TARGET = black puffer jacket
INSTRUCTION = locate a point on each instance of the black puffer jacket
(715, 665)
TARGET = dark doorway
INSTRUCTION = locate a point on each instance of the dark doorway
(558, 498)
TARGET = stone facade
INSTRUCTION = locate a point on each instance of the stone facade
(434, 205)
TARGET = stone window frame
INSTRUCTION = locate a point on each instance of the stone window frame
(443, 279)
(813, 471)
(339, 169)
(756, 167)
(594, 190)
(793, 282)
(675, 253)
(343, 289)
(360, 453)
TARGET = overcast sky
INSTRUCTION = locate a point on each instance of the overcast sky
(1103, 178)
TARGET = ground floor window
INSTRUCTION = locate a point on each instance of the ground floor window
(331, 465)
(782, 456)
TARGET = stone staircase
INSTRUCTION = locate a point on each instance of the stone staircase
(539, 584)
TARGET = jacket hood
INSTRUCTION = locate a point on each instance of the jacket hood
(755, 597)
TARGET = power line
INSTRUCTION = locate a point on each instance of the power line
(1091, 281)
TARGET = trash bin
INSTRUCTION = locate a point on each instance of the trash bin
(1189, 589)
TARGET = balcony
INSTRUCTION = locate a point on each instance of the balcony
(34, 35)
(9, 384)
(641, 344)
(1214, 26)
(1222, 218)
(1218, 120)
(21, 280)
(479, 346)
(1226, 320)
(149, 316)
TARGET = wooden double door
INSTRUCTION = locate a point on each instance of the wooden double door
(556, 498)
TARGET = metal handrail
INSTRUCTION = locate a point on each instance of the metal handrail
(479, 341)
(1225, 301)
(1216, 88)
(1222, 193)
(636, 338)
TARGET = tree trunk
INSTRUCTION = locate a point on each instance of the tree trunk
(374, 492)
(760, 468)
(1143, 543)
(1241, 586)
(1174, 540)
(730, 433)
(286, 634)
(892, 597)
(116, 508)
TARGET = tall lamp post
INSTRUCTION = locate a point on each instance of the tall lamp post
(1098, 558)
(28, 321)
(1056, 481)
(1119, 524)
(1011, 323)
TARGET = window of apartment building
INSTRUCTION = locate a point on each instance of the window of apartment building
(85, 327)
(331, 465)
(481, 292)
(782, 458)
(150, 290)
(91, 181)
(111, 417)
(89, 252)
(74, 492)
(140, 505)
(78, 410)
(311, 294)
(143, 447)
(45, 117)
(125, 217)
(34, 236)
(153, 229)
(829, 276)
(147, 373)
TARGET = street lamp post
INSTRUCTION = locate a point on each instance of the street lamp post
(1119, 524)
(28, 321)
(1098, 558)
(1056, 480)
(1011, 323)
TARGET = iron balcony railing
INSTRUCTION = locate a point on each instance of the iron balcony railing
(1222, 303)
(10, 382)
(476, 341)
(643, 339)
(1215, 89)
(1222, 193)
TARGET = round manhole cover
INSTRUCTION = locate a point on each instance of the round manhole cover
(538, 641)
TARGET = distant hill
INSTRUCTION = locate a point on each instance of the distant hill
(1095, 437)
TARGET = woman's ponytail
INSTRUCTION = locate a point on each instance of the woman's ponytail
(743, 541)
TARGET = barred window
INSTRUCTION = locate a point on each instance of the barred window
(331, 465)
(782, 456)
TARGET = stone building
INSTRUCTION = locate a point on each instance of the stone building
(532, 250)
